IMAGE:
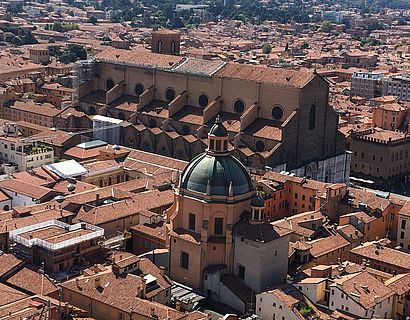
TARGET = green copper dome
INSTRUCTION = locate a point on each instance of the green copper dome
(257, 201)
(218, 129)
(216, 175)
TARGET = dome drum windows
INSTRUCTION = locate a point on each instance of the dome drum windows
(277, 112)
(239, 106)
(257, 214)
(203, 100)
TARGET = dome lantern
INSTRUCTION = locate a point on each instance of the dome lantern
(257, 206)
(218, 137)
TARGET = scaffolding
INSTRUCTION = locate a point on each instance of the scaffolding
(15, 235)
(84, 72)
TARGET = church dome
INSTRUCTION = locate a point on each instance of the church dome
(219, 175)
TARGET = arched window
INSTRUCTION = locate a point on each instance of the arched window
(203, 100)
(159, 46)
(109, 84)
(239, 106)
(169, 94)
(109, 181)
(173, 50)
(139, 89)
(277, 112)
(118, 178)
(6, 207)
(312, 117)
(260, 146)
(127, 177)
(101, 183)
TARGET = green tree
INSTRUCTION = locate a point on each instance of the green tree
(326, 26)
(67, 57)
(266, 48)
(29, 39)
(304, 45)
(57, 26)
(16, 41)
(93, 20)
(18, 8)
(8, 17)
(78, 50)
(54, 51)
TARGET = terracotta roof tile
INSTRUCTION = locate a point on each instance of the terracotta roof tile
(10, 295)
(283, 77)
(21, 187)
(7, 263)
(387, 255)
(115, 291)
(326, 245)
(32, 281)
(139, 58)
(370, 290)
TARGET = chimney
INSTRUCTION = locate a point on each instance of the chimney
(97, 199)
(138, 292)
(97, 282)
(153, 313)
(178, 306)
(144, 287)
(77, 283)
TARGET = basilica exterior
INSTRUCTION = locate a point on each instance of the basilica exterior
(277, 119)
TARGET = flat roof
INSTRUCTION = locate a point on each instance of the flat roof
(54, 235)
(106, 119)
(67, 169)
(92, 144)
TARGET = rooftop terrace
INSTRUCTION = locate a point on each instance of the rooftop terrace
(55, 235)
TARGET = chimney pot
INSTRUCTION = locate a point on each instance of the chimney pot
(97, 282)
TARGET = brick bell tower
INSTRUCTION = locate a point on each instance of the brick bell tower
(166, 41)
